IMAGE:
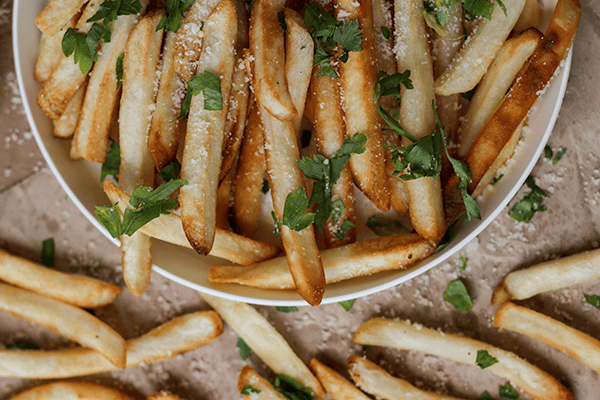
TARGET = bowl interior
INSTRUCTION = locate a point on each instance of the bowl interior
(80, 179)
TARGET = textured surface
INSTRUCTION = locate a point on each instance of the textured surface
(33, 207)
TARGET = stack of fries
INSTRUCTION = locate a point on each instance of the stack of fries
(269, 73)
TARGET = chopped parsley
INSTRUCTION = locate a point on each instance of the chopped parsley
(48, 253)
(548, 152)
(22, 345)
(559, 155)
(384, 226)
(172, 19)
(593, 300)
(170, 171)
(119, 70)
(287, 310)
(112, 163)
(245, 350)
(456, 294)
(468, 95)
(292, 389)
(328, 33)
(385, 31)
(497, 179)
(265, 187)
(450, 234)
(463, 260)
(147, 205)
(248, 389)
(485, 396)
(294, 216)
(508, 392)
(524, 210)
(437, 12)
(347, 305)
(484, 359)
(281, 20)
(210, 86)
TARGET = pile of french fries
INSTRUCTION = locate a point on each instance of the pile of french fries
(270, 88)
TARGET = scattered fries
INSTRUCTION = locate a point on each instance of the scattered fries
(406, 336)
(57, 14)
(77, 290)
(549, 275)
(71, 391)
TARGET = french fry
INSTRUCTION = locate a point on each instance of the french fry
(267, 47)
(248, 376)
(77, 290)
(65, 126)
(205, 131)
(340, 263)
(357, 80)
(57, 14)
(236, 118)
(71, 391)
(549, 275)
(250, 175)
(66, 78)
(473, 59)
(227, 245)
(329, 130)
(51, 51)
(190, 38)
(165, 129)
(142, 54)
(530, 16)
(90, 141)
(377, 382)
(416, 115)
(556, 334)
(336, 386)
(493, 86)
(70, 321)
(177, 336)
(162, 396)
(264, 341)
(516, 105)
(406, 336)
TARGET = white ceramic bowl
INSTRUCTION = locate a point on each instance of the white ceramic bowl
(80, 179)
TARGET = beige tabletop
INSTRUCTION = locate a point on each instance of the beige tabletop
(33, 207)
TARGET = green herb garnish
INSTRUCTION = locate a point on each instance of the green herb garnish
(281, 20)
(484, 359)
(548, 152)
(347, 305)
(463, 260)
(265, 187)
(172, 19)
(111, 165)
(210, 86)
(170, 171)
(508, 392)
(292, 389)
(485, 396)
(456, 294)
(48, 253)
(287, 310)
(294, 209)
(245, 350)
(119, 70)
(21, 345)
(559, 155)
(385, 31)
(593, 300)
(497, 179)
(524, 210)
(248, 389)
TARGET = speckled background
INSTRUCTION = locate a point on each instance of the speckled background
(33, 207)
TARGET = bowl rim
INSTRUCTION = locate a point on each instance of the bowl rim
(458, 244)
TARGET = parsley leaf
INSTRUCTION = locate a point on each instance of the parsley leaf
(265, 187)
(385, 31)
(384, 226)
(548, 152)
(48, 253)
(245, 350)
(593, 300)
(147, 205)
(111, 165)
(248, 389)
(456, 294)
(170, 171)
(210, 86)
(524, 210)
(347, 305)
(83, 45)
(497, 179)
(469, 94)
(119, 70)
(110, 10)
(292, 389)
(485, 396)
(463, 260)
(281, 20)
(559, 155)
(287, 310)
(22, 345)
(172, 19)
(450, 234)
(508, 392)
(344, 228)
(484, 359)
(293, 212)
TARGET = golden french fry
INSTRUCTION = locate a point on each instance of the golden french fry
(228, 245)
(57, 14)
(51, 51)
(336, 386)
(377, 382)
(181, 334)
(267, 47)
(416, 115)
(329, 130)
(357, 80)
(549, 275)
(65, 126)
(406, 336)
(556, 334)
(236, 118)
(530, 16)
(473, 59)
(190, 38)
(493, 86)
(264, 341)
(205, 131)
(101, 98)
(522, 96)
(70, 321)
(162, 396)
(77, 290)
(71, 391)
(66, 78)
(165, 129)
(340, 263)
(250, 175)
(266, 391)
